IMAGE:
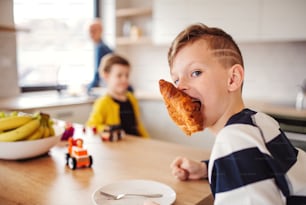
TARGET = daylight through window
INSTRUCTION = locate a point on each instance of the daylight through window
(57, 50)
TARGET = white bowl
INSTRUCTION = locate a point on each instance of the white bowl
(31, 148)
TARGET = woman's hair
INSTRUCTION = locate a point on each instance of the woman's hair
(219, 42)
(111, 59)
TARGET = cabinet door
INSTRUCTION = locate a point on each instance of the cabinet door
(283, 20)
(169, 18)
(73, 113)
(239, 18)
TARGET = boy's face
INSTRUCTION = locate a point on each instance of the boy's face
(118, 78)
(197, 72)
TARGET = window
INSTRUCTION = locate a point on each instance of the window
(57, 50)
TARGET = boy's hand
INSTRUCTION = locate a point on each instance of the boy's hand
(185, 169)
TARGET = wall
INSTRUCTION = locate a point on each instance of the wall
(273, 70)
(8, 64)
(160, 126)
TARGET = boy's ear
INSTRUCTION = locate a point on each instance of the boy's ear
(104, 75)
(236, 76)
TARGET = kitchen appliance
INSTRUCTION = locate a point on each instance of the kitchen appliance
(294, 128)
(301, 96)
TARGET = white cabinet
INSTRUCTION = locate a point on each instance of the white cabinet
(238, 17)
(283, 20)
(78, 113)
(245, 20)
(169, 17)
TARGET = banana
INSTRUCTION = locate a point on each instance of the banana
(14, 113)
(46, 132)
(20, 132)
(52, 131)
(2, 115)
(37, 134)
(47, 123)
(51, 128)
(12, 122)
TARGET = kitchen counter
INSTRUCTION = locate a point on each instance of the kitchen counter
(53, 99)
(267, 107)
(277, 109)
(39, 100)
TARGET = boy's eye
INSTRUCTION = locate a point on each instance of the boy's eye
(196, 73)
(175, 82)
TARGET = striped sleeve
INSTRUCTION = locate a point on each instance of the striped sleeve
(251, 161)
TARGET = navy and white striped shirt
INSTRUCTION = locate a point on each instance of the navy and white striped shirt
(253, 163)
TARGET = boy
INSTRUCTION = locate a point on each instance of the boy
(252, 161)
(118, 107)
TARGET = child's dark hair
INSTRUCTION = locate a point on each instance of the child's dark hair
(111, 59)
(221, 44)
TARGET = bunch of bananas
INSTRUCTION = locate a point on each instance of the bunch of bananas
(16, 126)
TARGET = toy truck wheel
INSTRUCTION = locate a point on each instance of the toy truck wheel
(72, 163)
(90, 161)
(67, 158)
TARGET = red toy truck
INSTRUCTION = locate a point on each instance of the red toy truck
(77, 156)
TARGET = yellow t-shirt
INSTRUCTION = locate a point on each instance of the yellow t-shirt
(107, 112)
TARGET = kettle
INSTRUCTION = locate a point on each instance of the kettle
(300, 97)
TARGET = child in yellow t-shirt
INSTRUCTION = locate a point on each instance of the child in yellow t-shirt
(118, 107)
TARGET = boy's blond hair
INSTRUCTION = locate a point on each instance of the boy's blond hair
(221, 44)
(109, 60)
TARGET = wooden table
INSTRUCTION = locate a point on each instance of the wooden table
(46, 180)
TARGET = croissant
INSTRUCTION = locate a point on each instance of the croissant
(182, 108)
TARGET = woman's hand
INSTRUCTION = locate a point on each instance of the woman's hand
(185, 169)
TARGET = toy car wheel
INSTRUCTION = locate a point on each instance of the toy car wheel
(72, 163)
(67, 158)
(90, 161)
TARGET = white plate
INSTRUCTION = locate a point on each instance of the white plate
(31, 148)
(135, 186)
